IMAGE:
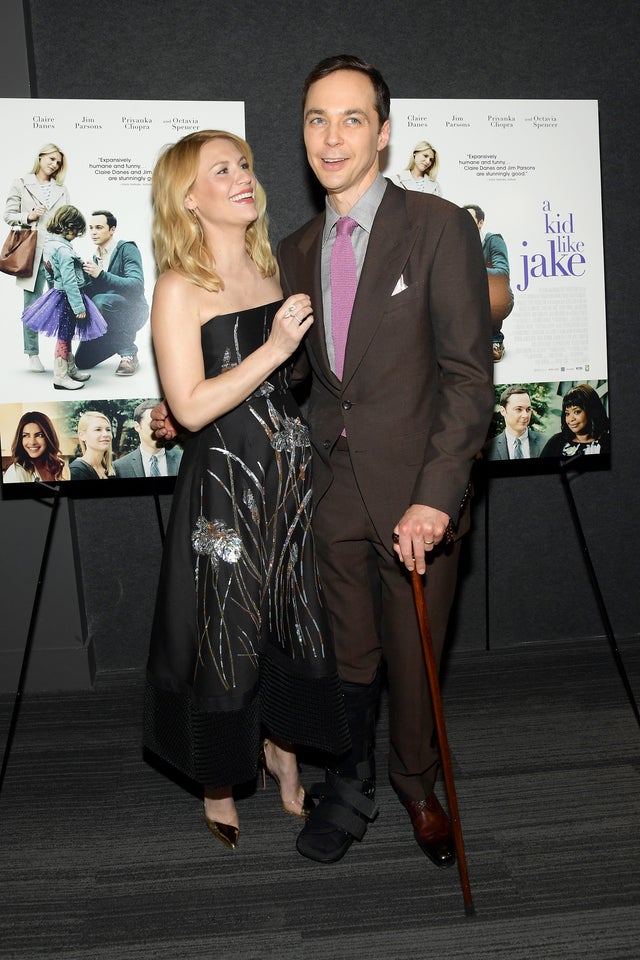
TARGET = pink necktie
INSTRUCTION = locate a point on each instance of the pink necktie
(344, 283)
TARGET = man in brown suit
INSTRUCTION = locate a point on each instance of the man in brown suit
(394, 437)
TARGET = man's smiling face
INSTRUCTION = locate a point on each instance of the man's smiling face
(343, 136)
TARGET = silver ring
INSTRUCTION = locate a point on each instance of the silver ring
(291, 310)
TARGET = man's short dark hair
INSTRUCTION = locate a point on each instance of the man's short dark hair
(111, 220)
(506, 395)
(479, 212)
(346, 61)
(142, 408)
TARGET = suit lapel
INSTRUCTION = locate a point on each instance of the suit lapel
(137, 463)
(390, 244)
(56, 190)
(172, 459)
(308, 279)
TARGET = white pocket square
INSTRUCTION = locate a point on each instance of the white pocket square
(400, 286)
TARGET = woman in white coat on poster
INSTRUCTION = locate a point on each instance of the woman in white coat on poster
(31, 201)
(421, 172)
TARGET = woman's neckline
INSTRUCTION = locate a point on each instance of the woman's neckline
(231, 313)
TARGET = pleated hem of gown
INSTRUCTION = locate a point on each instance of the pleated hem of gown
(218, 748)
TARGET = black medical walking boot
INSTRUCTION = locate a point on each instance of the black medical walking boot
(346, 797)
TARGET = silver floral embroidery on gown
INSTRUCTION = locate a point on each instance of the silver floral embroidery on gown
(249, 574)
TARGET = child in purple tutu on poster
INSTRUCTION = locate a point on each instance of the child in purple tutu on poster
(64, 311)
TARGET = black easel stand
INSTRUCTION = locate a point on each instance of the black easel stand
(487, 641)
(32, 626)
(564, 474)
(156, 500)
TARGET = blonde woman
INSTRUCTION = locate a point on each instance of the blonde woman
(421, 172)
(239, 645)
(31, 202)
(95, 435)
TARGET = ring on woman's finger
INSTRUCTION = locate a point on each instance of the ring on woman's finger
(291, 309)
(428, 543)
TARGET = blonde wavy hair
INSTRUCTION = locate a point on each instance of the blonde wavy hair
(178, 238)
(83, 423)
(432, 172)
(46, 149)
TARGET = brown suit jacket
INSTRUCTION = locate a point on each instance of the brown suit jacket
(416, 395)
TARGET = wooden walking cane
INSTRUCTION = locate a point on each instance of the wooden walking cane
(447, 769)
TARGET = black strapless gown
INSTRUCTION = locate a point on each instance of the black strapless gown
(240, 637)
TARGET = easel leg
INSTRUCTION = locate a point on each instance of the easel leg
(487, 636)
(156, 500)
(30, 633)
(564, 474)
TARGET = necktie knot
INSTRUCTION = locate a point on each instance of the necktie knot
(345, 226)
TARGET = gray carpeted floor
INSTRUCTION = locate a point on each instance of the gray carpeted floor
(104, 856)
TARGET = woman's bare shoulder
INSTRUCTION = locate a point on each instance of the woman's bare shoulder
(171, 282)
(177, 296)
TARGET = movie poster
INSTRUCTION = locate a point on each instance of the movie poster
(108, 149)
(529, 172)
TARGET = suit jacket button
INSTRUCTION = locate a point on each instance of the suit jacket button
(326, 444)
(346, 405)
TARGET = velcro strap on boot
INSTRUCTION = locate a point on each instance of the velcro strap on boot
(343, 804)
(337, 815)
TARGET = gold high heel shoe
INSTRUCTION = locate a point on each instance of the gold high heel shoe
(225, 832)
(297, 808)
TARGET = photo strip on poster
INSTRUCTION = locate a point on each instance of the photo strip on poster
(528, 171)
(108, 149)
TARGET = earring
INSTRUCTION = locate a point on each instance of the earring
(196, 221)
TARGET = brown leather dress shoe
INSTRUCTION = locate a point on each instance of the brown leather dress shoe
(432, 829)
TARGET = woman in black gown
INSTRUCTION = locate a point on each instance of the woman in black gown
(239, 643)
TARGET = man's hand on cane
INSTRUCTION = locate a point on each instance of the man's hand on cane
(418, 532)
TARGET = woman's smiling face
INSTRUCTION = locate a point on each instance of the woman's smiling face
(34, 441)
(577, 420)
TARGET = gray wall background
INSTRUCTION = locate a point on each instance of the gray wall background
(260, 53)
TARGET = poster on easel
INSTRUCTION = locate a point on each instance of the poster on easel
(76, 182)
(528, 172)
